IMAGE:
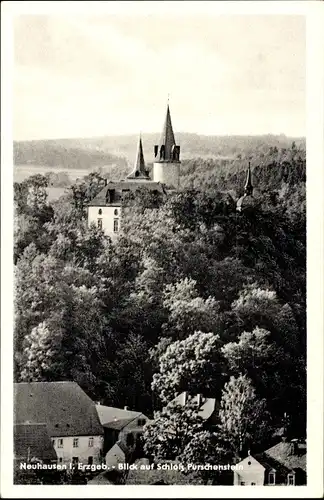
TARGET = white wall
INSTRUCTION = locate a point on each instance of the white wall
(107, 216)
(253, 472)
(83, 451)
(167, 173)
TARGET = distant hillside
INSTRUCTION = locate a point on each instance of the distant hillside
(97, 152)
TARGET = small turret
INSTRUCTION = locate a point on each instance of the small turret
(248, 188)
(139, 172)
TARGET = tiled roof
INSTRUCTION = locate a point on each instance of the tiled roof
(102, 198)
(63, 406)
(283, 453)
(33, 441)
(116, 418)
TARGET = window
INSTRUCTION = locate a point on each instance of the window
(90, 460)
(272, 478)
(291, 479)
(53, 442)
(60, 443)
(75, 460)
(75, 442)
(116, 225)
(90, 442)
(242, 483)
(116, 211)
(141, 422)
(99, 211)
(60, 460)
(99, 223)
(253, 484)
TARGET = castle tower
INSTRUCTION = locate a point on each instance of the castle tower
(166, 167)
(139, 172)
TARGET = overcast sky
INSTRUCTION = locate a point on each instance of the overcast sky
(92, 76)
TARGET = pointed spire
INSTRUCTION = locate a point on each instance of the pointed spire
(248, 188)
(139, 170)
(167, 137)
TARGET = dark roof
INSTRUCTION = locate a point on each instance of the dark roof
(284, 454)
(139, 171)
(167, 137)
(33, 441)
(102, 198)
(63, 406)
(248, 188)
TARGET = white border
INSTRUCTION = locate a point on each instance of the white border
(315, 255)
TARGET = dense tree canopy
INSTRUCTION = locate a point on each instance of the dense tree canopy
(193, 296)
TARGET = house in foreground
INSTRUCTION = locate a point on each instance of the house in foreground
(32, 443)
(122, 425)
(69, 415)
(283, 465)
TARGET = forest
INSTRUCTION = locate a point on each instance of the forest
(193, 296)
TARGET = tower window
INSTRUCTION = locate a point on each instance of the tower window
(116, 225)
(99, 211)
(99, 223)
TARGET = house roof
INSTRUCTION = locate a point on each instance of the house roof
(102, 198)
(284, 454)
(207, 407)
(119, 445)
(63, 406)
(33, 440)
(116, 418)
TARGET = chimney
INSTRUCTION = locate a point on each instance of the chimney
(125, 407)
(294, 447)
(199, 400)
(184, 397)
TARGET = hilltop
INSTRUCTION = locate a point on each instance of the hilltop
(86, 153)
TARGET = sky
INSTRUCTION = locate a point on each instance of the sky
(81, 76)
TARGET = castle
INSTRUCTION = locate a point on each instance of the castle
(105, 209)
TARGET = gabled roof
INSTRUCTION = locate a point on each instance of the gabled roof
(284, 454)
(139, 171)
(102, 198)
(33, 441)
(63, 406)
(116, 418)
(207, 406)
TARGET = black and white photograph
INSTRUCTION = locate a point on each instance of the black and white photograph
(160, 192)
